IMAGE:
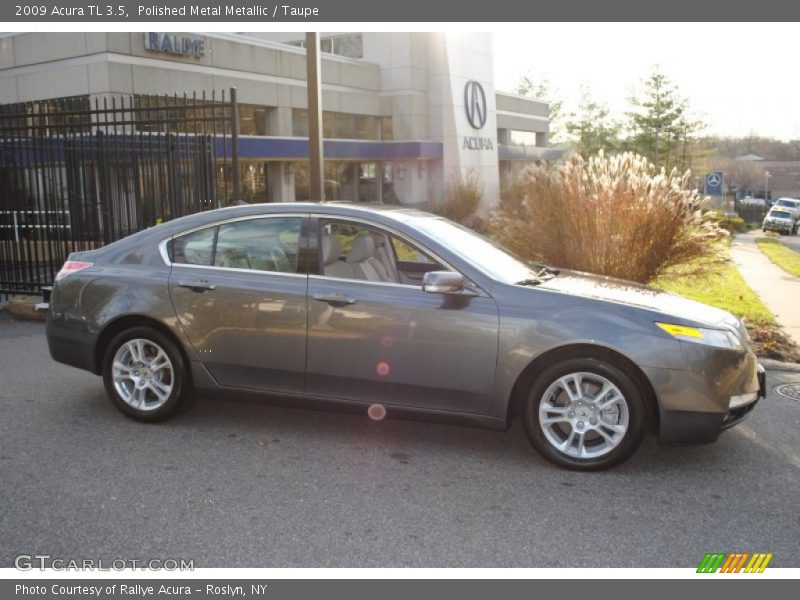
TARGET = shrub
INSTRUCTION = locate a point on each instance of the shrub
(462, 198)
(731, 224)
(614, 216)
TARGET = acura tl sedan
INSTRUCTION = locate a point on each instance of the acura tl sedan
(400, 312)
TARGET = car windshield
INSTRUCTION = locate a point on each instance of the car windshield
(788, 203)
(492, 259)
(780, 214)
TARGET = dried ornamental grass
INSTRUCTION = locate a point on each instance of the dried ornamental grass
(613, 215)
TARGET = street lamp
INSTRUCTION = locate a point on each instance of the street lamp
(766, 186)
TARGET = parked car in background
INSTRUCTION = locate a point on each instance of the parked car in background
(792, 205)
(780, 219)
(398, 311)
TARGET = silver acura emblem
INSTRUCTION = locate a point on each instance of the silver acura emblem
(475, 104)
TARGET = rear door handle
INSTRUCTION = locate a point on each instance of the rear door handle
(337, 298)
(201, 285)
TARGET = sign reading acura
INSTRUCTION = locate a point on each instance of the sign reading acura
(477, 111)
(475, 104)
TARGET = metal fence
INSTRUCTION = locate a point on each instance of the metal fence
(751, 213)
(77, 173)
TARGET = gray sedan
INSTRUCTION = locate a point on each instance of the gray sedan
(394, 311)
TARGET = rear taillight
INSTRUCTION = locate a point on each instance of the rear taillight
(72, 266)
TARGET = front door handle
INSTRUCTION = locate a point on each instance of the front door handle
(336, 299)
(201, 285)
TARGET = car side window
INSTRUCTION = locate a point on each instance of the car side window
(270, 244)
(408, 253)
(350, 250)
(195, 248)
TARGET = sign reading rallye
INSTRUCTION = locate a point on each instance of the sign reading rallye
(714, 182)
(180, 45)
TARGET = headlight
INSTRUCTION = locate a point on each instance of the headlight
(718, 338)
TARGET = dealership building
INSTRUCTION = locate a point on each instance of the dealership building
(403, 113)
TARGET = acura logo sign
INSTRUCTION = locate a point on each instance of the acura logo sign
(475, 104)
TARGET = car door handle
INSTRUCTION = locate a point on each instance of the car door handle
(337, 298)
(201, 285)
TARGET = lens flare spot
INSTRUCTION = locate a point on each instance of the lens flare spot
(387, 341)
(383, 368)
(376, 412)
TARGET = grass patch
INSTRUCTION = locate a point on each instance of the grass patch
(723, 286)
(784, 257)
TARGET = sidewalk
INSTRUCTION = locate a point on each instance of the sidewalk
(778, 290)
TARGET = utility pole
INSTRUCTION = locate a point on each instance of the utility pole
(314, 87)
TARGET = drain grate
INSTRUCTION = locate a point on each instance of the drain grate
(788, 390)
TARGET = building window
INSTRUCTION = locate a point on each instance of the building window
(252, 119)
(522, 138)
(387, 128)
(72, 112)
(349, 45)
(336, 125)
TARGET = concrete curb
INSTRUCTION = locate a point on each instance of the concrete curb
(24, 307)
(775, 365)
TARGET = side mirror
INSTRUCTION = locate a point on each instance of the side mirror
(443, 282)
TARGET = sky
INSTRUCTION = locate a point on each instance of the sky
(739, 78)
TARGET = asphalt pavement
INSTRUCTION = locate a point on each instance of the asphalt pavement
(791, 241)
(233, 484)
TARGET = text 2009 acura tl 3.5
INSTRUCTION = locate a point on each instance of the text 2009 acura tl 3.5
(367, 305)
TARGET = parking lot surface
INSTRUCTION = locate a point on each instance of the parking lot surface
(235, 484)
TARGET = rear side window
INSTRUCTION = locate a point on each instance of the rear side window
(194, 248)
(269, 244)
(259, 244)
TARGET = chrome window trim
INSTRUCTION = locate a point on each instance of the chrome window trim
(367, 281)
(162, 245)
(238, 270)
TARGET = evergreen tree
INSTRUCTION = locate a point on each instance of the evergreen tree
(591, 128)
(541, 89)
(659, 125)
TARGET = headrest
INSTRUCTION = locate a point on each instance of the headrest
(378, 238)
(331, 249)
(363, 248)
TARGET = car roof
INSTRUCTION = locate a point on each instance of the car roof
(353, 209)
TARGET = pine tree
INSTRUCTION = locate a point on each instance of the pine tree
(659, 125)
(591, 128)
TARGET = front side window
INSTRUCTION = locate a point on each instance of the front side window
(270, 244)
(355, 251)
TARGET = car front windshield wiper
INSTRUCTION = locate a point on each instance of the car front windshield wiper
(544, 270)
(533, 281)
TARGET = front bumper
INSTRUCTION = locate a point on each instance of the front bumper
(692, 411)
(736, 413)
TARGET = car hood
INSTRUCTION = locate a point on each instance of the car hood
(630, 293)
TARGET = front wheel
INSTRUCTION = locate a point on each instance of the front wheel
(585, 414)
(145, 375)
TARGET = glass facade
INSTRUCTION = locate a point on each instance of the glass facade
(253, 177)
(253, 119)
(342, 126)
(350, 45)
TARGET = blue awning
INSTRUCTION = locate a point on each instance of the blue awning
(297, 149)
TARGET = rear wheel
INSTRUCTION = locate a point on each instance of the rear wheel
(585, 414)
(145, 374)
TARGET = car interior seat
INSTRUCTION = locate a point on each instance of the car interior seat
(331, 252)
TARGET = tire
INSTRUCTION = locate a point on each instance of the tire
(610, 434)
(145, 375)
